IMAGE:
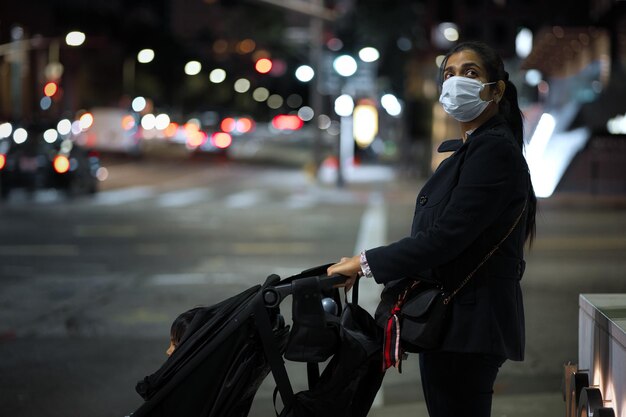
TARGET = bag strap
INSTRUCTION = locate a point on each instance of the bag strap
(272, 352)
(486, 258)
(355, 291)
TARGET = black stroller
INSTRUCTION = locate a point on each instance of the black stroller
(231, 347)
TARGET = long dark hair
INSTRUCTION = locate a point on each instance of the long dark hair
(507, 108)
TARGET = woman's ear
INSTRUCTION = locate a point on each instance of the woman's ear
(499, 93)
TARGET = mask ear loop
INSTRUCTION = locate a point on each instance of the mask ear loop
(493, 99)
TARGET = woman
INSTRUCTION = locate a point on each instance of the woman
(462, 212)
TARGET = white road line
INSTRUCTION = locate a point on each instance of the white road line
(300, 201)
(372, 233)
(243, 199)
(180, 279)
(124, 195)
(181, 198)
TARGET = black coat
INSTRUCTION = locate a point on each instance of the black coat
(465, 208)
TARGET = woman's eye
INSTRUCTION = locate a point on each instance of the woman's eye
(471, 73)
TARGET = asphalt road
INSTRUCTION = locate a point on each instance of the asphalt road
(89, 287)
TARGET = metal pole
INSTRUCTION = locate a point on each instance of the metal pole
(346, 149)
(316, 28)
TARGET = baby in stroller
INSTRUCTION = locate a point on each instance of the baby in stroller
(179, 326)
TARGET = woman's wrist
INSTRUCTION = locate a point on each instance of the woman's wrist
(365, 267)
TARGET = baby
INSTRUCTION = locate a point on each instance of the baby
(179, 326)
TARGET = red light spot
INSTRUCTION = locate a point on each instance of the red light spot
(287, 122)
(228, 124)
(263, 65)
(3, 160)
(221, 140)
(61, 164)
(50, 89)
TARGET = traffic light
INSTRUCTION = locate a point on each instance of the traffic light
(50, 89)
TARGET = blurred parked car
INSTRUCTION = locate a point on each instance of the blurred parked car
(38, 157)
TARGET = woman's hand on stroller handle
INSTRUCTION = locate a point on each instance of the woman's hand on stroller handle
(350, 268)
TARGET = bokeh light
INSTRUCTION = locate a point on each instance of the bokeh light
(193, 68)
(275, 101)
(20, 135)
(64, 127)
(260, 94)
(242, 85)
(145, 56)
(263, 65)
(345, 65)
(305, 73)
(294, 101)
(369, 54)
(75, 38)
(138, 104)
(306, 113)
(217, 75)
(50, 135)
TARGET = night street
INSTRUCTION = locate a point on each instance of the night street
(89, 287)
(162, 155)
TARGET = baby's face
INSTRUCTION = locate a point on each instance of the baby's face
(170, 349)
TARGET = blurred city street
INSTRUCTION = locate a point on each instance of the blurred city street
(89, 287)
(161, 155)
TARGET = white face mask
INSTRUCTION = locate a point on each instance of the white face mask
(460, 98)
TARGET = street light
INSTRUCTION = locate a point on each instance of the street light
(75, 38)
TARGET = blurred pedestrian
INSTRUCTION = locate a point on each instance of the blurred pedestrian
(468, 205)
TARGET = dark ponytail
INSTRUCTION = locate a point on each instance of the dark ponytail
(507, 108)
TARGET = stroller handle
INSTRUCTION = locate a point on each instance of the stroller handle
(273, 296)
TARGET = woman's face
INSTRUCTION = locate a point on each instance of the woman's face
(467, 63)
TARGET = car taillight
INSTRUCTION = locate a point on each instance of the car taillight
(3, 161)
(61, 164)
(196, 139)
(221, 140)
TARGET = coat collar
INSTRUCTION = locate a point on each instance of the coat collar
(453, 145)
(450, 145)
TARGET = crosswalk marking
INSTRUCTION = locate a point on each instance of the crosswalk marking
(181, 198)
(243, 199)
(290, 199)
(123, 195)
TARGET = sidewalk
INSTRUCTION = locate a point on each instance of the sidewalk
(523, 405)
